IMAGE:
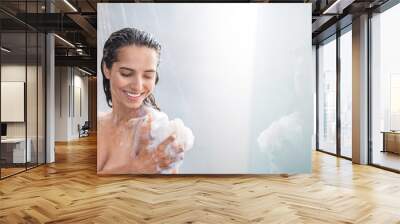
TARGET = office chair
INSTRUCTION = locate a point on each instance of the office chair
(84, 130)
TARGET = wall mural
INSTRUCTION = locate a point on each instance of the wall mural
(204, 88)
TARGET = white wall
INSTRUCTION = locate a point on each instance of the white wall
(15, 72)
(80, 108)
(70, 83)
(314, 72)
(34, 125)
(61, 103)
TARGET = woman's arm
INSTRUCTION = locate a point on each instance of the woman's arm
(154, 160)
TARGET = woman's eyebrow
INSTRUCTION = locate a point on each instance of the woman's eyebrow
(126, 68)
(133, 70)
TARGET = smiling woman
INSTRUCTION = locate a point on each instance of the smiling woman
(126, 137)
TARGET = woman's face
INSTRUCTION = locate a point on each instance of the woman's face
(133, 76)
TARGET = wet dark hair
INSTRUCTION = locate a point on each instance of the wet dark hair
(122, 38)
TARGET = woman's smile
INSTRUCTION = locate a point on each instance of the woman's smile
(133, 96)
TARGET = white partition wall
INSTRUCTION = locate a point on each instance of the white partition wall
(71, 102)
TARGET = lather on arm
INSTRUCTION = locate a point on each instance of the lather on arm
(149, 160)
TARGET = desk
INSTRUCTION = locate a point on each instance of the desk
(391, 141)
(13, 150)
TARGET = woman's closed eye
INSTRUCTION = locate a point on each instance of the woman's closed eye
(126, 74)
(149, 74)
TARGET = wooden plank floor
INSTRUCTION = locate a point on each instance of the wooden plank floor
(69, 191)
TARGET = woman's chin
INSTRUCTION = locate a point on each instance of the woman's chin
(134, 106)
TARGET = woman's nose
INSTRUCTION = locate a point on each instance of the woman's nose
(137, 83)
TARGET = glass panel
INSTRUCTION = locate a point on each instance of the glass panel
(13, 90)
(31, 100)
(327, 96)
(23, 87)
(346, 93)
(386, 89)
(32, 88)
(41, 98)
(395, 102)
(13, 86)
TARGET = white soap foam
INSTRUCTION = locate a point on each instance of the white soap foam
(280, 138)
(161, 129)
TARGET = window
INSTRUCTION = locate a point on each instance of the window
(346, 93)
(385, 88)
(327, 96)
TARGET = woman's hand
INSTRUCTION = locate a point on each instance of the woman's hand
(152, 160)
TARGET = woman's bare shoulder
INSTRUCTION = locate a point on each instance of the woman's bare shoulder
(103, 130)
(104, 126)
(104, 118)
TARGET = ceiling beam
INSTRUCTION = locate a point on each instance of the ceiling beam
(337, 6)
(89, 30)
(82, 61)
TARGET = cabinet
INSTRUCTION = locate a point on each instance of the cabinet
(391, 142)
(13, 150)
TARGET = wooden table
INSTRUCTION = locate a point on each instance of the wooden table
(391, 141)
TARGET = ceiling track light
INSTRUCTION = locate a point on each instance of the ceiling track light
(65, 41)
(5, 50)
(84, 71)
(70, 5)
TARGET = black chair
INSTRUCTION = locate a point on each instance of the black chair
(84, 130)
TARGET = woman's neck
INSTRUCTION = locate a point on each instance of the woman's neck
(121, 114)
